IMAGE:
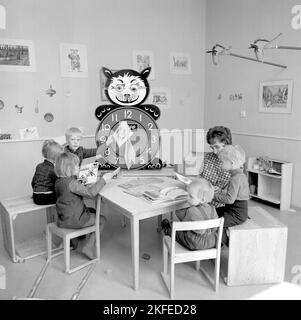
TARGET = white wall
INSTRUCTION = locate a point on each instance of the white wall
(238, 23)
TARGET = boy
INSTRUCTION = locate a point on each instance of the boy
(73, 138)
(236, 194)
(201, 193)
(44, 178)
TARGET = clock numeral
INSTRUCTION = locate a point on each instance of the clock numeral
(142, 161)
(154, 139)
(140, 117)
(150, 126)
(106, 127)
(107, 152)
(127, 114)
(115, 117)
(102, 139)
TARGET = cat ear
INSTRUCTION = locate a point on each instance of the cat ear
(107, 72)
(145, 72)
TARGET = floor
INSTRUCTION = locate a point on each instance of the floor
(112, 276)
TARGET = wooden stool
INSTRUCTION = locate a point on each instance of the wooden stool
(9, 210)
(256, 252)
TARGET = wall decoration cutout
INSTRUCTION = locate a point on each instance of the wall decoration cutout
(73, 58)
(5, 136)
(36, 109)
(29, 133)
(2, 17)
(51, 92)
(48, 117)
(1, 105)
(160, 97)
(128, 135)
(235, 96)
(17, 55)
(276, 96)
(142, 60)
(18, 108)
(180, 63)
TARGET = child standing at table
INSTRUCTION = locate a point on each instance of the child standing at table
(44, 177)
(235, 195)
(73, 139)
(201, 193)
(71, 209)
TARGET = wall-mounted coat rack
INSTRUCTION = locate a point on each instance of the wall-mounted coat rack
(259, 45)
(218, 50)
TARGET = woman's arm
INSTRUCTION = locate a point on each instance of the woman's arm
(229, 194)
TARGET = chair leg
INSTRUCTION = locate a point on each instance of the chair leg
(49, 243)
(67, 253)
(165, 259)
(217, 267)
(97, 235)
(172, 278)
(159, 223)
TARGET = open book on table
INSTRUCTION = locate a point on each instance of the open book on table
(165, 194)
(88, 173)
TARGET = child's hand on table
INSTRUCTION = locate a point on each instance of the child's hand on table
(108, 176)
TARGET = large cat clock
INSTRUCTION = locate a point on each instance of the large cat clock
(127, 135)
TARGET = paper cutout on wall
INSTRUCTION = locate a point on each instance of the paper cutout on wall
(48, 117)
(51, 92)
(236, 96)
(36, 109)
(5, 136)
(29, 133)
(1, 105)
(18, 108)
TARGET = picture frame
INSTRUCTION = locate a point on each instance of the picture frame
(17, 55)
(73, 60)
(144, 59)
(161, 97)
(275, 96)
(180, 63)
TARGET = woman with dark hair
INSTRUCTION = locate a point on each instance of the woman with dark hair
(217, 137)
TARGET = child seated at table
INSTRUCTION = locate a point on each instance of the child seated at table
(73, 139)
(236, 194)
(201, 193)
(71, 209)
(44, 177)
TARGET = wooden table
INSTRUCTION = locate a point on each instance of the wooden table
(136, 209)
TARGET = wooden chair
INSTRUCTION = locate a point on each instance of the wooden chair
(179, 254)
(68, 234)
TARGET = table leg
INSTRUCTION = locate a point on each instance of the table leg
(135, 250)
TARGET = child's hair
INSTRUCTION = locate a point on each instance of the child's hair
(202, 188)
(223, 134)
(65, 164)
(73, 131)
(235, 154)
(51, 149)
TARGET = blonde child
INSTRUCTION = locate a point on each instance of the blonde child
(73, 139)
(201, 193)
(44, 177)
(236, 194)
(71, 209)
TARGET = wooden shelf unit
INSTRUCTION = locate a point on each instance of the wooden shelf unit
(274, 188)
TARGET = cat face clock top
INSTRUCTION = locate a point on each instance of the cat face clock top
(128, 135)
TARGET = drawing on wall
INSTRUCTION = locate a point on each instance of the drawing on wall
(103, 80)
(2, 17)
(180, 63)
(73, 60)
(1, 105)
(276, 96)
(142, 60)
(17, 55)
(29, 133)
(235, 96)
(36, 109)
(48, 117)
(51, 92)
(18, 108)
(161, 97)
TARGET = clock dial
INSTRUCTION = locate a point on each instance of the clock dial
(126, 130)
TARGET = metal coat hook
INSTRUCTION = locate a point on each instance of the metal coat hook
(218, 50)
(259, 45)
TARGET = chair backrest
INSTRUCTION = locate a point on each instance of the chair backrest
(197, 225)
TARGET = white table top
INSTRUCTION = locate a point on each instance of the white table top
(134, 205)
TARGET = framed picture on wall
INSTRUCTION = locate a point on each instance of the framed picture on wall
(142, 60)
(180, 63)
(161, 97)
(73, 60)
(276, 96)
(17, 55)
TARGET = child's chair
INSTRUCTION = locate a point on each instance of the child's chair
(179, 254)
(68, 234)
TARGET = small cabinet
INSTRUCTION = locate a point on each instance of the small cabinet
(270, 181)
